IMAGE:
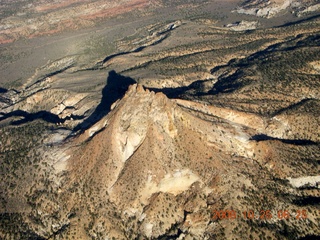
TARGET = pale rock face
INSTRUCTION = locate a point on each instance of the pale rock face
(175, 183)
(243, 26)
(58, 109)
(60, 159)
(73, 100)
(269, 9)
(309, 181)
(148, 229)
(134, 122)
(131, 127)
(278, 127)
(309, 9)
(274, 9)
(132, 140)
(315, 65)
(69, 102)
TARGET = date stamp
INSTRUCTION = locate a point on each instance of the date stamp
(299, 214)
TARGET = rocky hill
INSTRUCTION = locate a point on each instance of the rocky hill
(158, 168)
(175, 128)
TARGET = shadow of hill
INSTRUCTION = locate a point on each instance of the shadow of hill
(138, 49)
(106, 59)
(299, 21)
(115, 88)
(3, 97)
(194, 89)
(28, 117)
(3, 90)
(301, 142)
(230, 81)
(170, 92)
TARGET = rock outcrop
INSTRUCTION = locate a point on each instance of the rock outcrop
(269, 9)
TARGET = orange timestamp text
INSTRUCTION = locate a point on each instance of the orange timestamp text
(299, 214)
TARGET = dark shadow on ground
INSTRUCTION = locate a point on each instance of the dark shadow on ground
(28, 117)
(194, 89)
(3, 90)
(293, 106)
(106, 59)
(242, 68)
(115, 88)
(299, 21)
(263, 137)
(310, 237)
(4, 98)
(138, 49)
(170, 92)
(302, 201)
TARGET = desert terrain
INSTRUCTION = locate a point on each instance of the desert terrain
(159, 119)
